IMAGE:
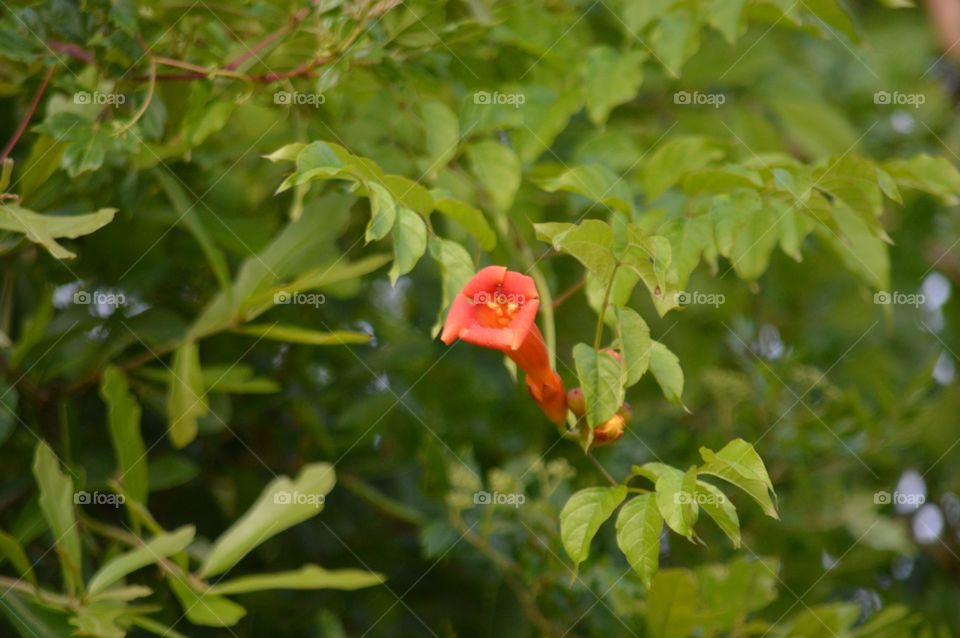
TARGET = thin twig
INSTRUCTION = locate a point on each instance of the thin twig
(602, 469)
(146, 103)
(73, 50)
(296, 19)
(25, 120)
(569, 292)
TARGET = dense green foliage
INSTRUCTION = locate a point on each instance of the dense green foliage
(229, 235)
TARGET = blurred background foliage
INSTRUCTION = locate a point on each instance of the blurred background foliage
(842, 397)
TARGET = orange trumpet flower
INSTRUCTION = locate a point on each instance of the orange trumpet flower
(497, 309)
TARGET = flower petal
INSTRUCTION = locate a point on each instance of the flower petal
(522, 321)
(520, 285)
(497, 338)
(486, 280)
(459, 317)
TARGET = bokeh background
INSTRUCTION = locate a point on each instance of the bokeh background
(843, 397)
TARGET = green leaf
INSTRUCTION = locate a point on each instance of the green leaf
(724, 16)
(497, 168)
(186, 398)
(611, 78)
(861, 251)
(206, 114)
(665, 367)
(673, 160)
(739, 464)
(295, 334)
(34, 620)
(742, 458)
(721, 180)
(470, 218)
(672, 604)
(649, 257)
(56, 503)
(409, 242)
(154, 627)
(307, 577)
(409, 193)
(205, 609)
(158, 547)
(599, 375)
(731, 591)
(814, 125)
(638, 14)
(288, 153)
(383, 212)
(9, 398)
(123, 419)
(283, 504)
(12, 550)
(186, 212)
(934, 175)
(635, 344)
(675, 39)
(593, 181)
(99, 619)
(833, 17)
(589, 242)
(46, 229)
(638, 535)
(640, 256)
(676, 498)
(754, 243)
(718, 507)
(583, 515)
(443, 133)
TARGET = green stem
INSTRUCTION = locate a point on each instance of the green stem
(43, 595)
(602, 469)
(603, 309)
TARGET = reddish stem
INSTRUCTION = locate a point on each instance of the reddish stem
(73, 50)
(25, 121)
(268, 40)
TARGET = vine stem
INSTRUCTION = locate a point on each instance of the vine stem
(512, 574)
(603, 309)
(569, 292)
(146, 103)
(19, 585)
(602, 469)
(25, 120)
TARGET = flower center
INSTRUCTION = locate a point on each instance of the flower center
(496, 309)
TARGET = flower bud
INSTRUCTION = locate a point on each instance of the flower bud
(609, 431)
(576, 402)
(613, 353)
